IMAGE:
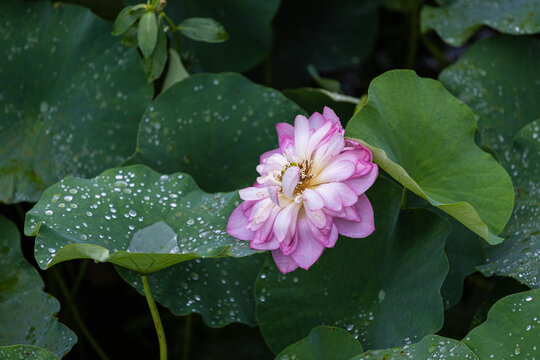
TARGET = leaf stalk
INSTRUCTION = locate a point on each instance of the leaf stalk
(155, 317)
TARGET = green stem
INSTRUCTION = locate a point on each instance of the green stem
(156, 318)
(77, 317)
(21, 213)
(413, 38)
(404, 196)
(78, 279)
(268, 71)
(187, 337)
(174, 30)
(435, 51)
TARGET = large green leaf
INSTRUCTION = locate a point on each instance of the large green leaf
(313, 100)
(511, 331)
(495, 77)
(20, 352)
(323, 343)
(71, 97)
(247, 22)
(327, 35)
(214, 127)
(459, 20)
(424, 137)
(25, 310)
(221, 290)
(430, 347)
(132, 217)
(384, 289)
(463, 248)
(519, 255)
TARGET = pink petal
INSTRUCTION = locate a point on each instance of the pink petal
(358, 229)
(336, 195)
(274, 195)
(253, 193)
(284, 131)
(273, 244)
(328, 240)
(320, 136)
(286, 221)
(312, 200)
(316, 120)
(290, 180)
(267, 154)
(339, 169)
(301, 135)
(264, 233)
(284, 263)
(308, 249)
(331, 149)
(317, 218)
(329, 114)
(236, 227)
(361, 184)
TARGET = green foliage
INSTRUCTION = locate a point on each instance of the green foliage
(132, 217)
(203, 29)
(430, 347)
(459, 20)
(62, 83)
(364, 285)
(445, 167)
(17, 352)
(221, 290)
(494, 78)
(314, 100)
(511, 330)
(518, 255)
(309, 32)
(71, 100)
(147, 34)
(25, 310)
(235, 118)
(247, 23)
(323, 343)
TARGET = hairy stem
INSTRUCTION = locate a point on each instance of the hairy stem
(156, 318)
(77, 317)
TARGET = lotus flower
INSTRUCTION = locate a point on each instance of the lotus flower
(309, 190)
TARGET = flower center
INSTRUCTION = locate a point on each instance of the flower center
(305, 175)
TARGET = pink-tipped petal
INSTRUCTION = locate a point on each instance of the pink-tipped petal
(308, 249)
(237, 225)
(329, 114)
(253, 193)
(285, 130)
(273, 192)
(338, 170)
(286, 221)
(317, 218)
(268, 154)
(301, 135)
(316, 120)
(290, 180)
(272, 244)
(361, 184)
(312, 200)
(358, 229)
(284, 263)
(320, 136)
